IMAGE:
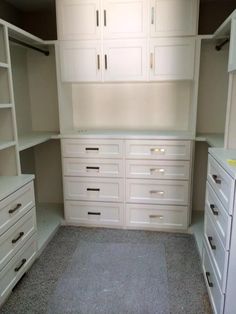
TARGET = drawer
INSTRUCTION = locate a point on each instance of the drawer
(103, 189)
(15, 269)
(92, 213)
(157, 216)
(15, 237)
(161, 169)
(219, 254)
(92, 148)
(158, 149)
(220, 218)
(13, 207)
(93, 167)
(157, 192)
(214, 291)
(222, 183)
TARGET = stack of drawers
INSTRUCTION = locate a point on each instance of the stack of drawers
(17, 237)
(217, 232)
(93, 173)
(157, 184)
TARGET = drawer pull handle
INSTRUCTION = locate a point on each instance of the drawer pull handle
(152, 18)
(210, 284)
(21, 265)
(11, 211)
(92, 148)
(158, 150)
(156, 216)
(216, 179)
(18, 238)
(94, 213)
(213, 247)
(97, 18)
(214, 210)
(93, 190)
(157, 170)
(157, 192)
(92, 168)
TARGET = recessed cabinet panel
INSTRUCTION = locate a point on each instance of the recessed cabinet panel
(78, 19)
(125, 60)
(174, 17)
(80, 61)
(125, 18)
(172, 59)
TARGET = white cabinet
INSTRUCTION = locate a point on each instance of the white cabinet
(78, 19)
(125, 18)
(80, 61)
(172, 58)
(125, 60)
(174, 18)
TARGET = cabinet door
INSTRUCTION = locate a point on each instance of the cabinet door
(172, 58)
(125, 60)
(78, 19)
(80, 61)
(174, 17)
(125, 18)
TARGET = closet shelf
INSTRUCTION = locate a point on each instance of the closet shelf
(4, 65)
(34, 138)
(197, 228)
(49, 218)
(5, 106)
(213, 139)
(6, 144)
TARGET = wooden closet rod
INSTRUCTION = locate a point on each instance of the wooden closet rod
(220, 46)
(17, 41)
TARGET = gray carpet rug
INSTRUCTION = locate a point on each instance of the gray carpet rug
(187, 293)
(113, 278)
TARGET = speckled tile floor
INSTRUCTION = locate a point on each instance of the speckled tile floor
(186, 288)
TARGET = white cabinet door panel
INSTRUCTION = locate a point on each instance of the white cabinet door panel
(125, 18)
(125, 60)
(172, 58)
(80, 61)
(174, 18)
(78, 19)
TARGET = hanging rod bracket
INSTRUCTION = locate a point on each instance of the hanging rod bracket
(19, 42)
(221, 45)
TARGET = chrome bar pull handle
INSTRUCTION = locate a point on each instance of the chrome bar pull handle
(97, 18)
(152, 16)
(98, 61)
(105, 17)
(105, 62)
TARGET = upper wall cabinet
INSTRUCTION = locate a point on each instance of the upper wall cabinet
(78, 19)
(174, 18)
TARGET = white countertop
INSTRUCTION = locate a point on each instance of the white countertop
(222, 155)
(10, 184)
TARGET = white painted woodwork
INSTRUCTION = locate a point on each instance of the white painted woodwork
(232, 49)
(158, 149)
(93, 167)
(125, 60)
(81, 61)
(15, 237)
(163, 192)
(78, 19)
(172, 58)
(4, 86)
(156, 216)
(174, 18)
(222, 184)
(215, 294)
(222, 221)
(125, 18)
(94, 213)
(93, 189)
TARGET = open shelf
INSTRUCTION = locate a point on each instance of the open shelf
(6, 106)
(4, 65)
(197, 228)
(49, 218)
(212, 139)
(4, 86)
(3, 54)
(6, 144)
(34, 138)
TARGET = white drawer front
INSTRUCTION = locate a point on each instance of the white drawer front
(215, 294)
(15, 237)
(157, 192)
(15, 206)
(14, 270)
(92, 213)
(158, 149)
(161, 169)
(92, 148)
(93, 167)
(222, 183)
(109, 190)
(222, 221)
(219, 254)
(156, 216)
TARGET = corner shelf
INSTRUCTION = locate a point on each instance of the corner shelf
(6, 144)
(213, 139)
(34, 138)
